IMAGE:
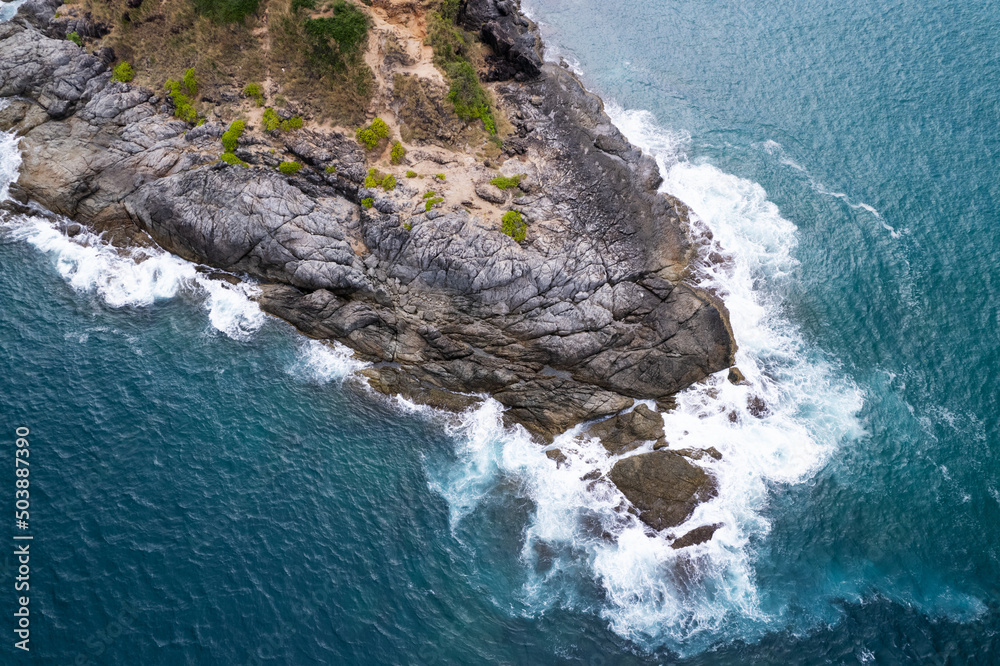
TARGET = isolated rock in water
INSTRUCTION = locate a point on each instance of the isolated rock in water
(696, 536)
(663, 485)
(736, 376)
(629, 430)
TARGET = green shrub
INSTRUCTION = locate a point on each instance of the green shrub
(469, 96)
(231, 137)
(122, 72)
(229, 158)
(331, 169)
(505, 183)
(338, 38)
(270, 121)
(429, 193)
(430, 203)
(407, 226)
(183, 105)
(372, 179)
(398, 153)
(75, 38)
(411, 174)
(292, 123)
(389, 183)
(255, 92)
(440, 177)
(367, 202)
(514, 225)
(303, 4)
(370, 136)
(226, 11)
(289, 168)
(190, 82)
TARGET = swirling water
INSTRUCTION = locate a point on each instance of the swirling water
(213, 488)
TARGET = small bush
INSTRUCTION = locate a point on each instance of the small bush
(370, 136)
(231, 137)
(75, 38)
(255, 92)
(293, 123)
(367, 202)
(505, 183)
(469, 96)
(372, 179)
(331, 169)
(429, 193)
(270, 121)
(407, 226)
(398, 153)
(303, 4)
(338, 38)
(190, 82)
(411, 174)
(432, 202)
(226, 11)
(183, 106)
(289, 168)
(229, 158)
(440, 177)
(389, 183)
(514, 225)
(122, 72)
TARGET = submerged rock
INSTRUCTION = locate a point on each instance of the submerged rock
(663, 486)
(696, 536)
(627, 431)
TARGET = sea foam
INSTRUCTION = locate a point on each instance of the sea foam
(778, 427)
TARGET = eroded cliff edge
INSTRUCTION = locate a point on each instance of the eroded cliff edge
(588, 313)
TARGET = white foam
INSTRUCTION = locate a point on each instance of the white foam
(580, 530)
(321, 362)
(138, 277)
(10, 159)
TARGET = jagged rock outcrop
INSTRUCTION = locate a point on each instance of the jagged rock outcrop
(590, 312)
(627, 431)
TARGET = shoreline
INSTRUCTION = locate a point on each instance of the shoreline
(451, 333)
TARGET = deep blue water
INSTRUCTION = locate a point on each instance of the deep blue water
(210, 488)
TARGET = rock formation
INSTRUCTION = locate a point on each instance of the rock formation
(590, 312)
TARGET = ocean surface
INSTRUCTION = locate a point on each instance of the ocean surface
(209, 487)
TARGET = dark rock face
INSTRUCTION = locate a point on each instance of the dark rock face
(696, 536)
(663, 486)
(509, 34)
(627, 431)
(588, 314)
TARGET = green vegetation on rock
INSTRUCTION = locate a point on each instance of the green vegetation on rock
(507, 183)
(331, 169)
(389, 183)
(229, 158)
(370, 136)
(190, 82)
(231, 137)
(440, 176)
(429, 193)
(255, 92)
(513, 224)
(411, 174)
(122, 72)
(183, 105)
(270, 121)
(367, 202)
(289, 168)
(75, 38)
(451, 53)
(430, 203)
(398, 153)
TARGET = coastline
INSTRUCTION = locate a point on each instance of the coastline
(634, 330)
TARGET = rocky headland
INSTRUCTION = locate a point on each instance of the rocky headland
(573, 311)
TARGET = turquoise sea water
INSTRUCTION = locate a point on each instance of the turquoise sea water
(211, 488)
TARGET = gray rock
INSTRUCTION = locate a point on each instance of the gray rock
(696, 536)
(663, 486)
(627, 431)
